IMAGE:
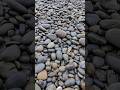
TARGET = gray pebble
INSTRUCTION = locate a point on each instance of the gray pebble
(39, 67)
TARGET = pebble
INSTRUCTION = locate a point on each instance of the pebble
(61, 33)
(69, 89)
(42, 75)
(62, 68)
(53, 56)
(39, 67)
(51, 87)
(12, 80)
(113, 62)
(70, 82)
(115, 86)
(11, 53)
(39, 48)
(59, 55)
(37, 87)
(51, 45)
(115, 33)
(52, 37)
(59, 88)
(41, 59)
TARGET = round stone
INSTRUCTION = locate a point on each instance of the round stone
(61, 33)
(51, 45)
(42, 75)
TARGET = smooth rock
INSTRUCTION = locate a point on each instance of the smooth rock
(51, 87)
(70, 82)
(39, 67)
(115, 86)
(16, 80)
(61, 33)
(59, 55)
(113, 36)
(11, 53)
(51, 45)
(37, 87)
(42, 75)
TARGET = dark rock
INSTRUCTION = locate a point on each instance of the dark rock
(98, 61)
(28, 37)
(5, 28)
(11, 53)
(110, 23)
(113, 36)
(17, 80)
(89, 6)
(111, 77)
(17, 6)
(101, 75)
(92, 19)
(110, 4)
(115, 86)
(113, 62)
(94, 38)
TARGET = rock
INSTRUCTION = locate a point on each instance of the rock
(70, 82)
(5, 28)
(59, 55)
(51, 45)
(82, 41)
(112, 77)
(69, 89)
(11, 53)
(113, 62)
(17, 6)
(110, 5)
(41, 59)
(42, 75)
(115, 33)
(46, 26)
(92, 19)
(39, 67)
(37, 87)
(115, 86)
(28, 37)
(52, 37)
(51, 87)
(65, 57)
(53, 56)
(96, 39)
(109, 24)
(61, 33)
(59, 88)
(54, 65)
(98, 61)
(4, 70)
(12, 80)
(62, 68)
(39, 48)
(89, 6)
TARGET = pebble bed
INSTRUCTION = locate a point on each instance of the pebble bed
(59, 45)
(17, 44)
(103, 45)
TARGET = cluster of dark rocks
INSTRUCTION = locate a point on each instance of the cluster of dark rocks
(102, 44)
(17, 44)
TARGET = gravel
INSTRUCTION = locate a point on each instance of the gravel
(60, 44)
